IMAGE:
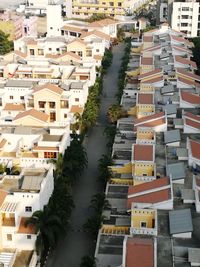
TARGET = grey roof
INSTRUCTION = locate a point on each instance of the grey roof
(194, 255)
(187, 194)
(167, 89)
(172, 136)
(19, 83)
(176, 171)
(178, 121)
(170, 109)
(180, 221)
(123, 221)
(32, 183)
(76, 85)
(182, 152)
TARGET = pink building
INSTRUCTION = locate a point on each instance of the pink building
(29, 26)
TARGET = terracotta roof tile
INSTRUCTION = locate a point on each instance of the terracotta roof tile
(33, 113)
(70, 54)
(26, 230)
(146, 61)
(152, 48)
(186, 61)
(179, 48)
(154, 197)
(3, 195)
(153, 80)
(181, 40)
(46, 148)
(195, 148)
(139, 252)
(150, 74)
(52, 87)
(145, 119)
(188, 74)
(102, 23)
(192, 116)
(76, 109)
(141, 188)
(145, 98)
(143, 152)
(14, 107)
(192, 124)
(148, 39)
(78, 40)
(190, 98)
(96, 33)
(71, 28)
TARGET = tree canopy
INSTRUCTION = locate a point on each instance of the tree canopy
(5, 44)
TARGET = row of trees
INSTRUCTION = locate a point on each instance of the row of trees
(52, 222)
(196, 53)
(91, 109)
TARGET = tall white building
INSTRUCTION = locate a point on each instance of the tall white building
(185, 17)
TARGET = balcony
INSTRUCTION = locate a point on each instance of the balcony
(9, 222)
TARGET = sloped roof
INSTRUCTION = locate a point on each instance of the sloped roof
(52, 87)
(102, 23)
(190, 98)
(150, 73)
(185, 61)
(195, 148)
(180, 221)
(102, 35)
(14, 107)
(33, 113)
(143, 152)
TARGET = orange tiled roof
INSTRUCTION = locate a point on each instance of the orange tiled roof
(185, 61)
(139, 252)
(26, 230)
(188, 74)
(153, 80)
(102, 23)
(192, 116)
(192, 124)
(148, 39)
(195, 148)
(190, 98)
(181, 40)
(3, 195)
(150, 73)
(143, 152)
(14, 107)
(33, 113)
(97, 33)
(76, 109)
(52, 87)
(71, 54)
(146, 61)
(145, 98)
(71, 28)
(20, 54)
(152, 48)
(154, 197)
(149, 118)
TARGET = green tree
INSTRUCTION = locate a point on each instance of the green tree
(104, 172)
(120, 34)
(88, 261)
(99, 203)
(49, 229)
(110, 132)
(93, 224)
(2, 168)
(116, 112)
(107, 59)
(78, 124)
(5, 44)
(196, 54)
(96, 17)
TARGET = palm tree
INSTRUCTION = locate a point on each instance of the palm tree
(49, 229)
(88, 261)
(110, 132)
(77, 126)
(104, 172)
(93, 225)
(116, 112)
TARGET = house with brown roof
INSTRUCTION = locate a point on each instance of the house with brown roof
(193, 147)
(139, 252)
(154, 194)
(189, 100)
(181, 62)
(191, 123)
(157, 121)
(145, 104)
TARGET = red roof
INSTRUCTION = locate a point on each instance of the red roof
(148, 39)
(158, 183)
(192, 116)
(146, 61)
(192, 124)
(179, 48)
(181, 40)
(188, 74)
(195, 149)
(145, 119)
(152, 48)
(185, 61)
(145, 98)
(154, 197)
(154, 80)
(190, 98)
(139, 252)
(143, 152)
(150, 73)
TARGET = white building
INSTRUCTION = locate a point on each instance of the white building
(185, 17)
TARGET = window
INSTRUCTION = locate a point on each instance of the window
(52, 104)
(57, 49)
(50, 49)
(97, 50)
(76, 99)
(119, 4)
(64, 104)
(111, 3)
(65, 115)
(32, 52)
(11, 96)
(178, 17)
(28, 236)
(96, 8)
(22, 97)
(88, 53)
(179, 9)
(184, 16)
(80, 53)
(41, 52)
(72, 34)
(184, 24)
(49, 155)
(42, 104)
(52, 116)
(185, 9)
(28, 209)
(51, 28)
(143, 224)
(9, 237)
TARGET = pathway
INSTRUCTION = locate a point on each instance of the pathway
(78, 243)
